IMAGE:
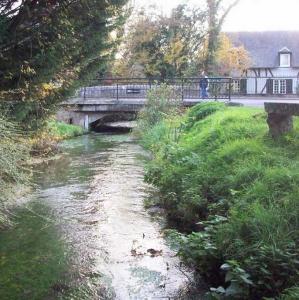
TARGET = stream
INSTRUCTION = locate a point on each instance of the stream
(83, 232)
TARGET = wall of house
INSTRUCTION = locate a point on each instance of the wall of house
(261, 81)
(285, 72)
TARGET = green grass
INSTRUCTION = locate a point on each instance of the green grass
(220, 161)
(64, 131)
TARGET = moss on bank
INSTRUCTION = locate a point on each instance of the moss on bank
(236, 191)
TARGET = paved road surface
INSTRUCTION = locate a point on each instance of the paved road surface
(257, 102)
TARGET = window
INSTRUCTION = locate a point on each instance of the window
(285, 59)
(279, 86)
(236, 86)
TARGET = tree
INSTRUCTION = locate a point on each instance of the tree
(49, 48)
(159, 46)
(230, 60)
(216, 16)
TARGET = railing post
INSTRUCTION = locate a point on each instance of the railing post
(84, 93)
(117, 96)
(182, 86)
(230, 89)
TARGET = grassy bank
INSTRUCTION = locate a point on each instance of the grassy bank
(60, 130)
(45, 141)
(235, 192)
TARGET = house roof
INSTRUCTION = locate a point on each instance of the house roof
(264, 47)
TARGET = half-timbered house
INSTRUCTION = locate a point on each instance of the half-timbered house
(274, 66)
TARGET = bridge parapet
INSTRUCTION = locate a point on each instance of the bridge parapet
(137, 88)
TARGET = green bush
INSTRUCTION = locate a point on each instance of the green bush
(236, 190)
(290, 294)
(161, 102)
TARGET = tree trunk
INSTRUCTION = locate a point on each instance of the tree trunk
(215, 24)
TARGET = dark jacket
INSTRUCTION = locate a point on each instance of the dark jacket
(203, 83)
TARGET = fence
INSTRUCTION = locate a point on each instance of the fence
(137, 88)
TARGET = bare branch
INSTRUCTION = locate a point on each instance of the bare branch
(227, 11)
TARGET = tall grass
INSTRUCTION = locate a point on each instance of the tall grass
(13, 155)
(226, 181)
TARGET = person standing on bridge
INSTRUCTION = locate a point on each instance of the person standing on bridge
(203, 85)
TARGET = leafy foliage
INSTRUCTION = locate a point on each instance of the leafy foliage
(161, 46)
(161, 102)
(231, 60)
(49, 48)
(236, 190)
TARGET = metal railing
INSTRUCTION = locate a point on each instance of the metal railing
(137, 88)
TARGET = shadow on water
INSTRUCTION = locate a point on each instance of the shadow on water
(84, 233)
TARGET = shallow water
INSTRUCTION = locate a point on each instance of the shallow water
(93, 197)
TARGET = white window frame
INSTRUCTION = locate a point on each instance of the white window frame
(236, 86)
(279, 86)
(285, 60)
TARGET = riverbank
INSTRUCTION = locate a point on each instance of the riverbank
(45, 142)
(233, 191)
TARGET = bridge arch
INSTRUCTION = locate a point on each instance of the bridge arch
(112, 122)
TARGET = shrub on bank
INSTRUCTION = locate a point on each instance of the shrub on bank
(162, 101)
(236, 191)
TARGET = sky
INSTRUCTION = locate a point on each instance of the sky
(248, 15)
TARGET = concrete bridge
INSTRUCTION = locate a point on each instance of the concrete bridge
(113, 100)
(92, 113)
